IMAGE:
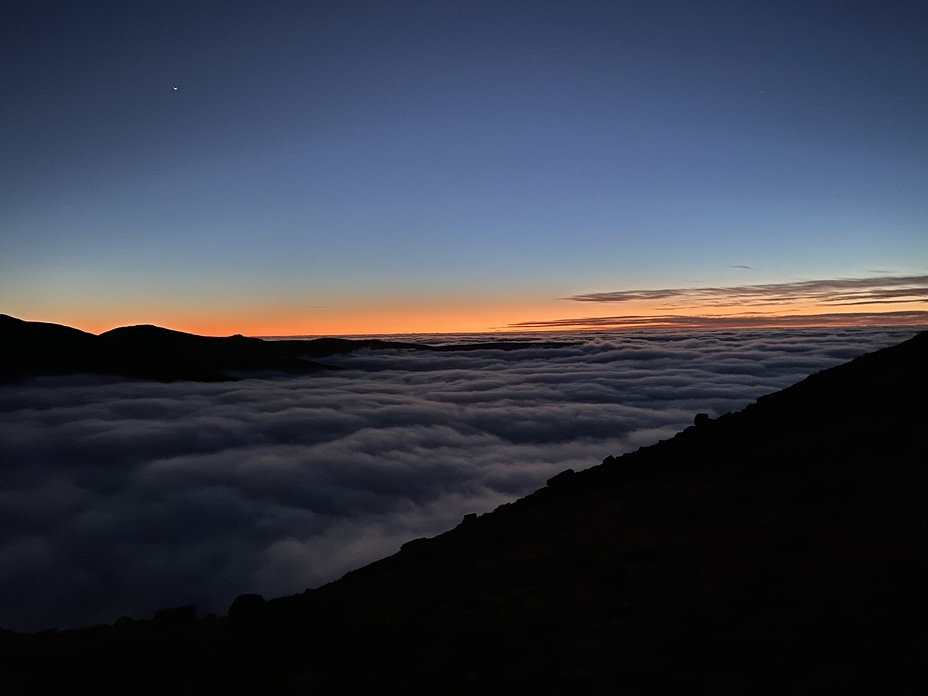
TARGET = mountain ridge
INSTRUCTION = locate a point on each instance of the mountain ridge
(145, 351)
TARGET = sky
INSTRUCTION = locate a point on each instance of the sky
(122, 497)
(283, 168)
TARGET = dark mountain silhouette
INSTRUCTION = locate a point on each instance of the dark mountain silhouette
(30, 348)
(776, 550)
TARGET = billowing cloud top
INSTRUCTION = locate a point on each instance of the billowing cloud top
(121, 497)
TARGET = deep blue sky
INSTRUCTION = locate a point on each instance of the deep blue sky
(397, 166)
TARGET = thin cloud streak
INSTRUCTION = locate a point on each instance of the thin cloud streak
(742, 321)
(838, 291)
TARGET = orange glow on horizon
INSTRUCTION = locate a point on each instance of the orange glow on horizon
(384, 317)
(462, 316)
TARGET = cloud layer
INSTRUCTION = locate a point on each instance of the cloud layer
(122, 497)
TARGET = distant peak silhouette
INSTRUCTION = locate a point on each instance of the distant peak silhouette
(145, 351)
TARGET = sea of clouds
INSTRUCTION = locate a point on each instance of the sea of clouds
(121, 497)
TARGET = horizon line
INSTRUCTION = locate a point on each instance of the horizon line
(915, 319)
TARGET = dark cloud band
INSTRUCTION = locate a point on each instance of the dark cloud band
(827, 292)
(737, 321)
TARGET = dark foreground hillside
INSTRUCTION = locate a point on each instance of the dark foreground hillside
(778, 550)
